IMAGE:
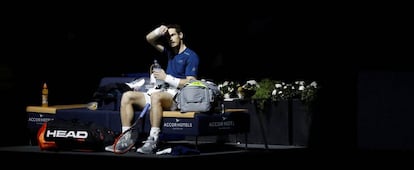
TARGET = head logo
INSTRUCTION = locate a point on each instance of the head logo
(67, 134)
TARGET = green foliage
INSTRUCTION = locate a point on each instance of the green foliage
(265, 89)
(264, 92)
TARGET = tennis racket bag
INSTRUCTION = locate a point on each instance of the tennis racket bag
(74, 135)
(198, 96)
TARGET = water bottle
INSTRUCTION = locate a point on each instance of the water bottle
(45, 94)
(156, 67)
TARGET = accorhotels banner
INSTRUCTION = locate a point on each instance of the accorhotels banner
(35, 120)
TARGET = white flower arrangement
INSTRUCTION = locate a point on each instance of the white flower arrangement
(228, 89)
(232, 89)
(248, 89)
(305, 91)
(270, 89)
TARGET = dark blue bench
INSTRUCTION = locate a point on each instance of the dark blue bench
(232, 121)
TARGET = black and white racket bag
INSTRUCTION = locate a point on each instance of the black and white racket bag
(74, 135)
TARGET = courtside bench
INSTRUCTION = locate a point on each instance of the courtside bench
(232, 121)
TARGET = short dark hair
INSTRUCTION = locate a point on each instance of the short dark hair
(176, 26)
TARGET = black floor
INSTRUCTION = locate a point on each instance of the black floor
(211, 156)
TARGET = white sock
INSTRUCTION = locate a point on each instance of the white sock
(154, 132)
(124, 128)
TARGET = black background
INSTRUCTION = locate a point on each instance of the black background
(72, 46)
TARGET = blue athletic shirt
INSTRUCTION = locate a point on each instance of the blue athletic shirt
(183, 64)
